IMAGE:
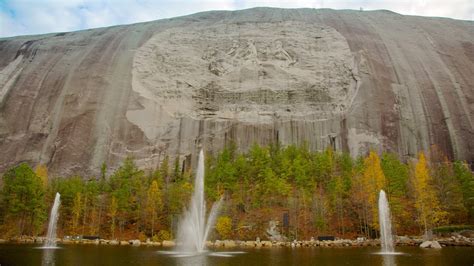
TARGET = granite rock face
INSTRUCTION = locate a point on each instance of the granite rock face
(347, 79)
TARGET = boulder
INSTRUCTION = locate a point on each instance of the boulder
(267, 244)
(250, 243)
(219, 243)
(229, 243)
(124, 243)
(430, 244)
(39, 239)
(168, 243)
(113, 242)
(280, 244)
(435, 245)
(135, 242)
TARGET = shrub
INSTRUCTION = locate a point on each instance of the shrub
(452, 228)
(162, 235)
(224, 227)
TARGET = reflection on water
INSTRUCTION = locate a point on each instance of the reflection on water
(187, 258)
(194, 260)
(225, 253)
(48, 257)
(12, 254)
(389, 260)
(197, 258)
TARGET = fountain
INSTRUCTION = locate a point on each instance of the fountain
(386, 238)
(53, 220)
(193, 229)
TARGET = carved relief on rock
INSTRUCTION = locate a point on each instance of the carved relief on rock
(248, 72)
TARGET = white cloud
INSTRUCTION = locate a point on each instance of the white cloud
(19, 17)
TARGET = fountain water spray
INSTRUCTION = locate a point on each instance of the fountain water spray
(386, 238)
(193, 230)
(53, 220)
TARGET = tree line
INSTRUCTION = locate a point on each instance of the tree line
(320, 193)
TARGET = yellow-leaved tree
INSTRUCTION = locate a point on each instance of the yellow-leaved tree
(427, 203)
(42, 172)
(76, 211)
(154, 203)
(224, 227)
(372, 182)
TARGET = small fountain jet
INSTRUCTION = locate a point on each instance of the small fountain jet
(193, 230)
(386, 238)
(50, 241)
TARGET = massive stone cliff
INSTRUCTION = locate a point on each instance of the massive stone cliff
(347, 79)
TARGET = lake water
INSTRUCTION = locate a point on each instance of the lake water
(128, 255)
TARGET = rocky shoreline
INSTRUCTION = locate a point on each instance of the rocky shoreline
(457, 240)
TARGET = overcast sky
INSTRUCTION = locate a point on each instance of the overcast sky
(20, 17)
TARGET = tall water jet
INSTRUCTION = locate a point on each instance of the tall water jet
(53, 220)
(193, 229)
(386, 238)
